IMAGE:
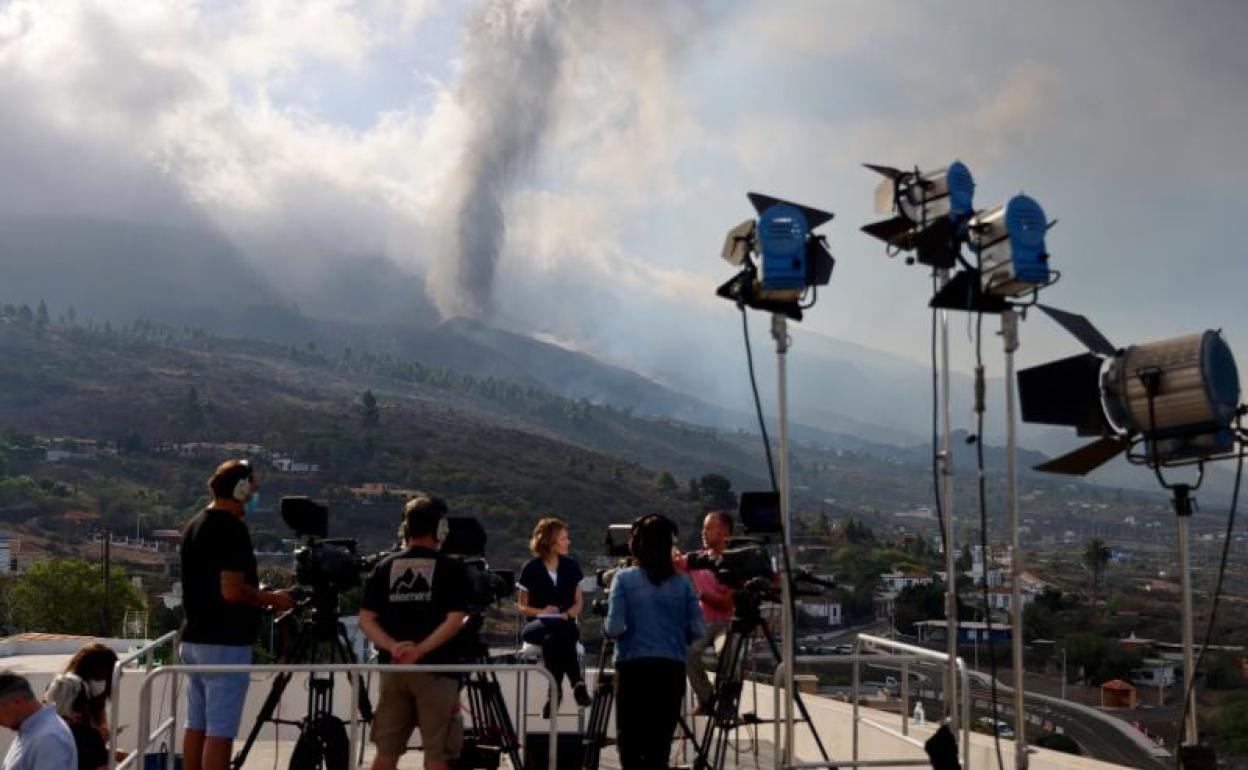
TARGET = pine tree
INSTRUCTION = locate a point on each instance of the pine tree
(370, 415)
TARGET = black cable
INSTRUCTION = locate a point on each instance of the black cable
(758, 405)
(1189, 686)
(983, 531)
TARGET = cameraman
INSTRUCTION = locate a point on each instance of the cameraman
(716, 601)
(415, 602)
(222, 597)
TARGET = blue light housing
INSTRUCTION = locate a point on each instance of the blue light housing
(782, 236)
(1025, 221)
(961, 187)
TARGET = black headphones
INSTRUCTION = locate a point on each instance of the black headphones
(435, 507)
(243, 488)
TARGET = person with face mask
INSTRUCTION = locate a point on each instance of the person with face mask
(222, 598)
(93, 664)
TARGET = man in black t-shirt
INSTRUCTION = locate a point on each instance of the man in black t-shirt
(415, 602)
(222, 597)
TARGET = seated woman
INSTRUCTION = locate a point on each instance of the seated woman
(653, 616)
(550, 596)
(93, 664)
(68, 693)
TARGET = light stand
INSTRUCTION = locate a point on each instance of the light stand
(1183, 507)
(783, 261)
(1009, 335)
(780, 333)
(945, 492)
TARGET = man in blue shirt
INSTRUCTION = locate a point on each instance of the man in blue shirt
(43, 741)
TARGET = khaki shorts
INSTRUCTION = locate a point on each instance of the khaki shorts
(416, 698)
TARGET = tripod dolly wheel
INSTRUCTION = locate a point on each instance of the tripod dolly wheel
(322, 745)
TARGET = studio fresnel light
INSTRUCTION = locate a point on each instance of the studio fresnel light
(780, 256)
(929, 210)
(1165, 403)
(1009, 239)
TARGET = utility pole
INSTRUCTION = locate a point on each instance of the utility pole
(1063, 673)
(107, 557)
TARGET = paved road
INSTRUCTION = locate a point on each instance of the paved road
(1098, 739)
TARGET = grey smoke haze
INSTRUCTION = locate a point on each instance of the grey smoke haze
(512, 61)
(596, 159)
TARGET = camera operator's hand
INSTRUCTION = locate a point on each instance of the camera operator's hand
(680, 562)
(552, 609)
(280, 601)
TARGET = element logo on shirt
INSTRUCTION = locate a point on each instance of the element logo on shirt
(411, 580)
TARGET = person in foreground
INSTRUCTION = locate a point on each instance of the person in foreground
(68, 694)
(43, 740)
(222, 599)
(415, 602)
(551, 598)
(653, 615)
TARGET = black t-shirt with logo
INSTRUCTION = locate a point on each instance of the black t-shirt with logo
(412, 591)
(213, 542)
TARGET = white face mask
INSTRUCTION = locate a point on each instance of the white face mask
(96, 687)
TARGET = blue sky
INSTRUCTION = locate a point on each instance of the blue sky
(335, 129)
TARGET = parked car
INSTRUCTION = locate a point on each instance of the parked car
(1003, 728)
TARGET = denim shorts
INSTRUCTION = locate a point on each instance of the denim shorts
(214, 702)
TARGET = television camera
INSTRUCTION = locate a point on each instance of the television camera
(325, 567)
(464, 539)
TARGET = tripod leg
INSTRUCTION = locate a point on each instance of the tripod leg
(274, 698)
(726, 698)
(502, 720)
(343, 645)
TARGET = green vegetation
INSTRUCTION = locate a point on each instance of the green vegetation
(67, 596)
(1232, 724)
(1058, 742)
(1096, 558)
(1101, 659)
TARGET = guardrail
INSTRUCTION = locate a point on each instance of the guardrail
(147, 652)
(148, 737)
(900, 653)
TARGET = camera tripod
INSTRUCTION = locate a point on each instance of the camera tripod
(493, 733)
(729, 682)
(322, 743)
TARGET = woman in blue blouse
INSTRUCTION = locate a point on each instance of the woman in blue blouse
(550, 596)
(653, 616)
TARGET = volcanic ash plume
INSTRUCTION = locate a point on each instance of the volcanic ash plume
(511, 69)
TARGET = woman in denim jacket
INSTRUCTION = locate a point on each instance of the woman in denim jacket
(653, 616)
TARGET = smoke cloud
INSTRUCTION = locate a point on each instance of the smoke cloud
(512, 62)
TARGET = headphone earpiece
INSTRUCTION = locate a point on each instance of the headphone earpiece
(444, 528)
(242, 490)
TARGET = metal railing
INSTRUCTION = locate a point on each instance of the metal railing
(147, 653)
(901, 654)
(168, 728)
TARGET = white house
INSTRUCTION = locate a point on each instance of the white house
(826, 610)
(1155, 673)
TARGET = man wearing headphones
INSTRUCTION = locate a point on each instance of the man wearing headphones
(222, 596)
(415, 602)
